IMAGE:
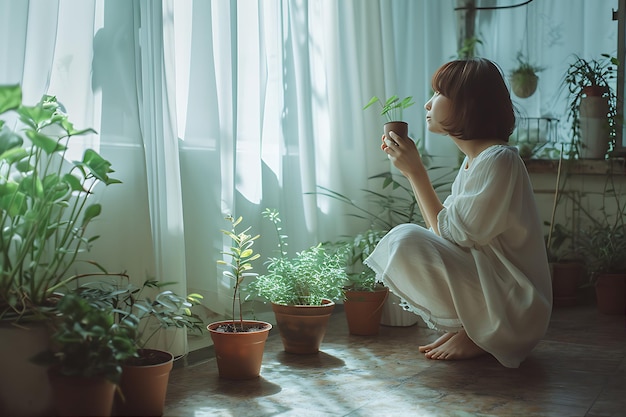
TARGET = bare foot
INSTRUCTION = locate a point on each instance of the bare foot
(455, 346)
(440, 341)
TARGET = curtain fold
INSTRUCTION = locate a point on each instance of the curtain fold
(157, 118)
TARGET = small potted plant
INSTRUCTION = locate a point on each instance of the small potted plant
(392, 110)
(601, 242)
(239, 343)
(86, 356)
(592, 104)
(524, 77)
(302, 290)
(144, 380)
(364, 296)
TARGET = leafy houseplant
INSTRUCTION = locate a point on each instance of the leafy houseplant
(302, 290)
(392, 110)
(45, 213)
(44, 204)
(239, 344)
(601, 242)
(524, 77)
(87, 353)
(310, 277)
(592, 105)
(165, 309)
(145, 377)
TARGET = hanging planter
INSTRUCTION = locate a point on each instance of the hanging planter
(524, 78)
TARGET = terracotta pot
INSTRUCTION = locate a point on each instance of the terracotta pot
(302, 328)
(81, 396)
(24, 387)
(144, 384)
(239, 354)
(566, 279)
(364, 310)
(399, 128)
(611, 293)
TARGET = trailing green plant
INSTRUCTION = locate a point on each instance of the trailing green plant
(309, 277)
(240, 265)
(45, 204)
(87, 341)
(595, 73)
(152, 313)
(392, 108)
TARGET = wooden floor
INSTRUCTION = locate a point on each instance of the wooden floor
(579, 369)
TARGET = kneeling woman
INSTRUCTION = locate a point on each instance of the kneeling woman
(479, 272)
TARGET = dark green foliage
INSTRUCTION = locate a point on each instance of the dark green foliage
(87, 341)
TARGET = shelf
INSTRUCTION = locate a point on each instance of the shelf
(578, 167)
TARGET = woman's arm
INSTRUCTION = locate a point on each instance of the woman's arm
(405, 156)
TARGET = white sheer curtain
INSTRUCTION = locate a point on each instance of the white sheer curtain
(207, 108)
(274, 109)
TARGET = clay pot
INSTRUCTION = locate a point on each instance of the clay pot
(566, 279)
(144, 384)
(364, 310)
(81, 396)
(302, 327)
(239, 354)
(399, 128)
(611, 293)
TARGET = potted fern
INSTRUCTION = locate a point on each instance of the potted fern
(392, 110)
(302, 290)
(239, 343)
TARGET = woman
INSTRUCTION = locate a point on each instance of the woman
(480, 271)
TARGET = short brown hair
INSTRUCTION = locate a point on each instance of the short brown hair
(480, 100)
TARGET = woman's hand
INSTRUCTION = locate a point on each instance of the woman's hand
(402, 152)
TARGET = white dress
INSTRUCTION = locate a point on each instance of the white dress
(488, 271)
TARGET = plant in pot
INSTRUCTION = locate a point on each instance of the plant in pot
(45, 212)
(365, 296)
(144, 381)
(602, 244)
(566, 266)
(239, 343)
(592, 105)
(84, 362)
(524, 77)
(392, 110)
(302, 290)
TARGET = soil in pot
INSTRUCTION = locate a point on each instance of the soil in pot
(239, 354)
